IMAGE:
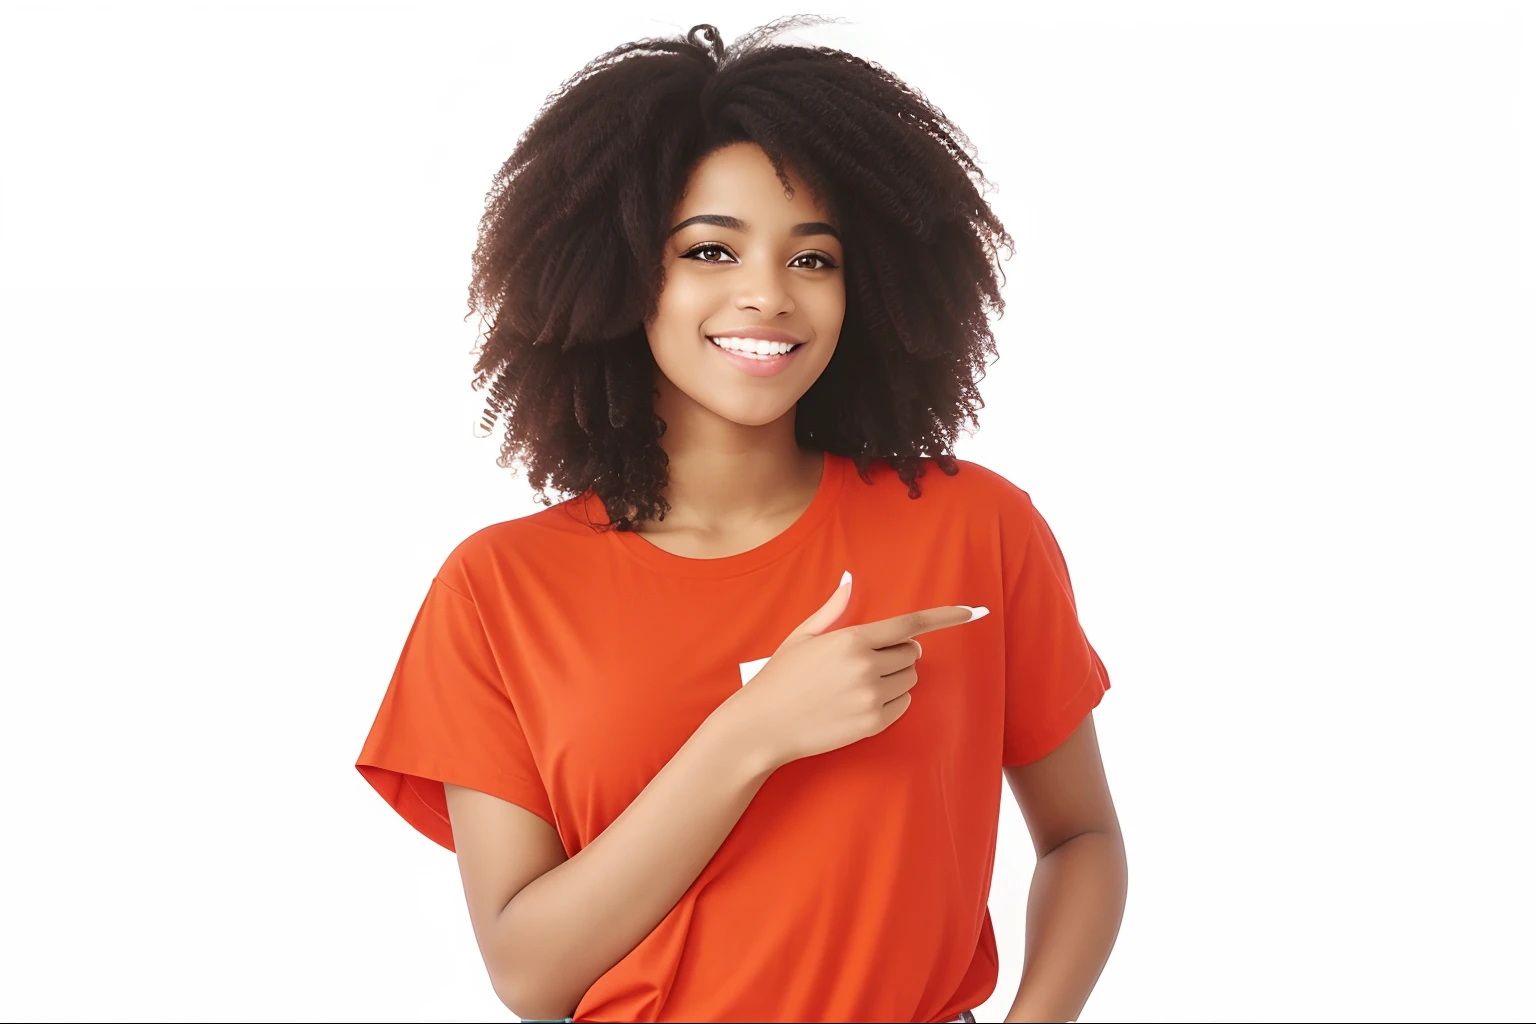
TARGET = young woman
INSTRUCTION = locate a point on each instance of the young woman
(721, 735)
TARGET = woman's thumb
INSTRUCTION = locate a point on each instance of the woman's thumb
(823, 618)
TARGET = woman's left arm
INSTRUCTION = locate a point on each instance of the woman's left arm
(1077, 896)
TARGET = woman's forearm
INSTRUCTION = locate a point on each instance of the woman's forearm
(1076, 901)
(567, 927)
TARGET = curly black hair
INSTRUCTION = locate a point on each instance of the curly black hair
(567, 265)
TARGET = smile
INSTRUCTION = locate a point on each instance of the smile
(754, 363)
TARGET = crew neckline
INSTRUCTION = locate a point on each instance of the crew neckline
(828, 491)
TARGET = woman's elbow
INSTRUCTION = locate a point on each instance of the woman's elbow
(528, 1003)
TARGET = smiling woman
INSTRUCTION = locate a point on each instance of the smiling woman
(738, 305)
(763, 292)
(675, 192)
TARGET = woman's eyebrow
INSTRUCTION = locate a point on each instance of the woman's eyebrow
(815, 227)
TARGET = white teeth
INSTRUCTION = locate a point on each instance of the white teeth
(753, 346)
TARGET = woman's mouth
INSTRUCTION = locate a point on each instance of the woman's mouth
(746, 356)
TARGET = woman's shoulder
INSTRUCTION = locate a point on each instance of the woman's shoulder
(970, 482)
(494, 554)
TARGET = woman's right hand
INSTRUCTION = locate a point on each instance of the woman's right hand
(825, 688)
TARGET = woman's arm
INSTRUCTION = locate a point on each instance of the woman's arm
(1077, 896)
(548, 927)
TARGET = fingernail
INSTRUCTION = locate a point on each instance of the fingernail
(847, 578)
(976, 612)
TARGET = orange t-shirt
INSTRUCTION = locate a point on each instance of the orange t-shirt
(560, 669)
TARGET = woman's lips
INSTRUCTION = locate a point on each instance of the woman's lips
(757, 367)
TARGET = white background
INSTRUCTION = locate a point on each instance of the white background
(1266, 370)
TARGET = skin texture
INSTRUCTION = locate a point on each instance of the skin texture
(548, 926)
(1077, 896)
(735, 474)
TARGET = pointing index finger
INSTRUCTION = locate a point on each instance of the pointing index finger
(900, 628)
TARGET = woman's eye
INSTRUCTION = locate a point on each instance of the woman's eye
(691, 253)
(826, 263)
(698, 252)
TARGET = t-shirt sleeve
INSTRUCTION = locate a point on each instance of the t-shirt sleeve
(447, 717)
(1054, 676)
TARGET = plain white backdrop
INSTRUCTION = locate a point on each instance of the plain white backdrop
(1266, 368)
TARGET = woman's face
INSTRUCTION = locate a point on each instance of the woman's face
(766, 261)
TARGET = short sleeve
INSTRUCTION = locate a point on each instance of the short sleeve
(1054, 676)
(447, 717)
